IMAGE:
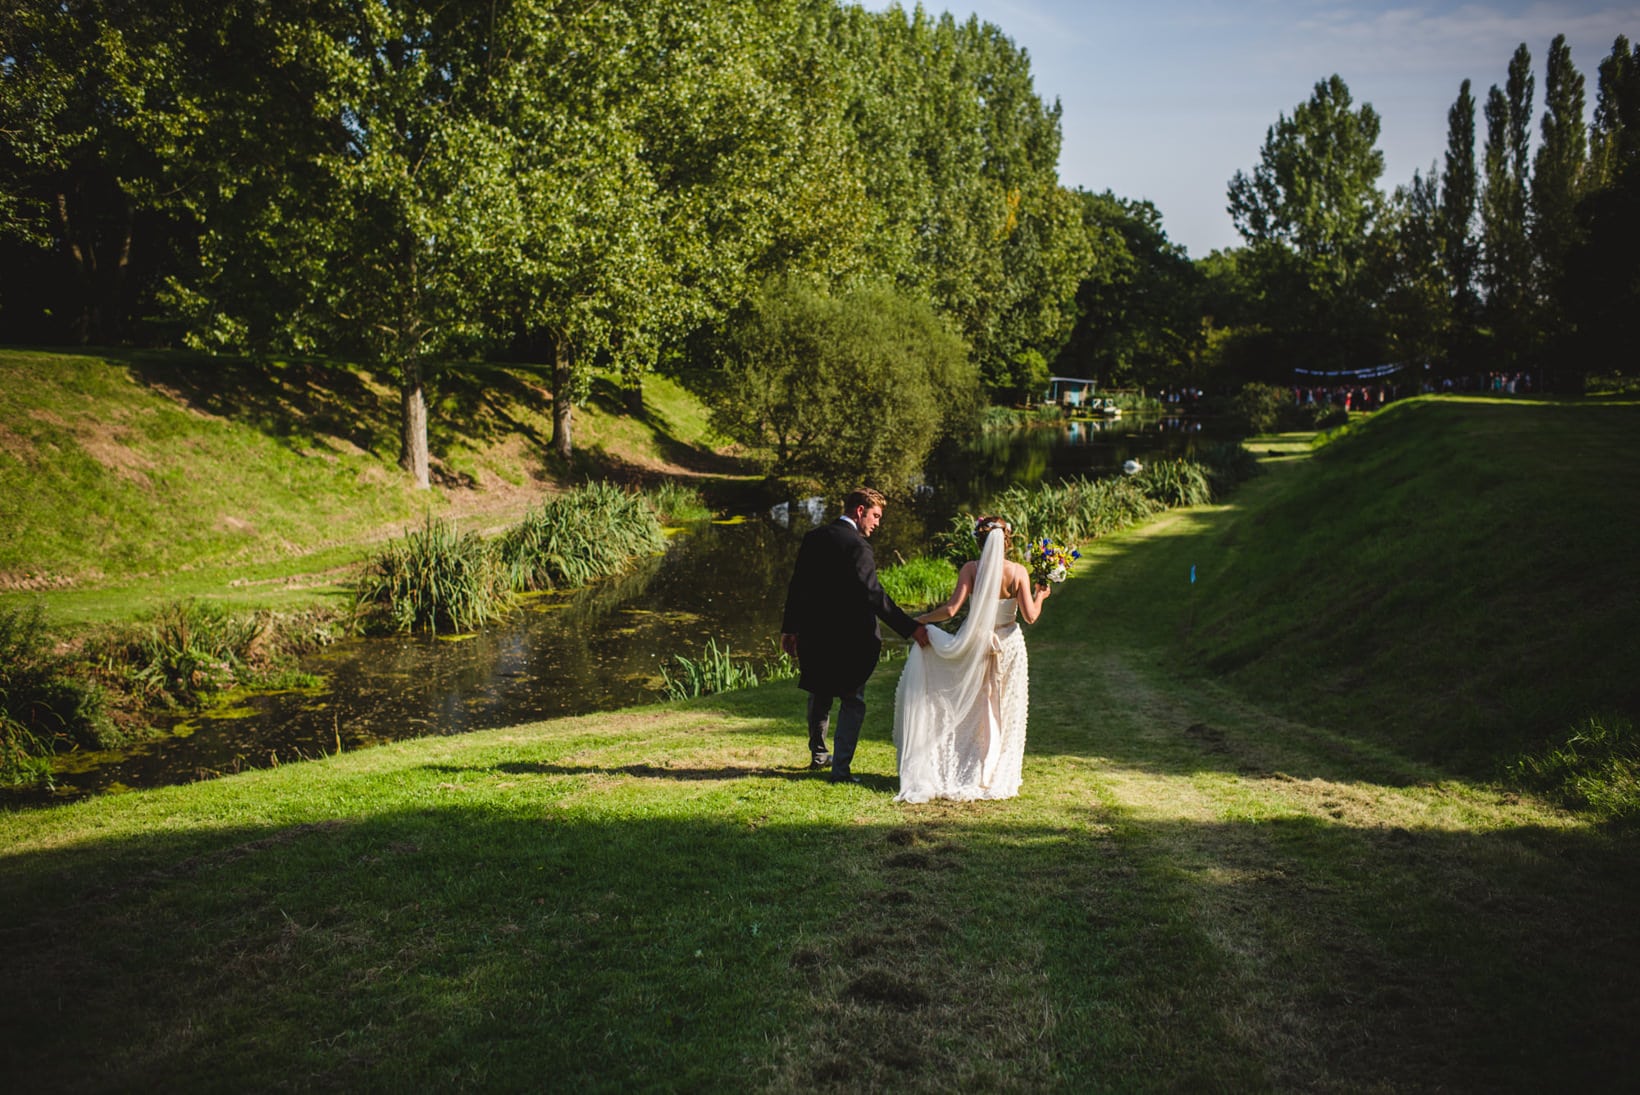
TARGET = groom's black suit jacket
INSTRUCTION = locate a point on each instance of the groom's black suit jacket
(833, 605)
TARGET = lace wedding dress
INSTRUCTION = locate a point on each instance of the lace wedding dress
(960, 708)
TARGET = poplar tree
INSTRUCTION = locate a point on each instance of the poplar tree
(1558, 168)
(1616, 129)
(1506, 254)
(1459, 250)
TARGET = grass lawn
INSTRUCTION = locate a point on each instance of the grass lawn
(1217, 876)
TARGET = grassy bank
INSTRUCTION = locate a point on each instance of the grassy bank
(134, 481)
(1212, 878)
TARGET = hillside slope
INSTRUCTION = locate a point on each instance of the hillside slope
(1454, 577)
(145, 469)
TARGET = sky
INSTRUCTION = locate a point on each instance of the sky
(1166, 99)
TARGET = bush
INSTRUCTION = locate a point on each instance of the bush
(1228, 466)
(435, 579)
(579, 537)
(1257, 408)
(191, 648)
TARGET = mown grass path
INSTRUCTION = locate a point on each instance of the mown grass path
(1192, 892)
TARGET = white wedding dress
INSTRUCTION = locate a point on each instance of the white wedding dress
(960, 708)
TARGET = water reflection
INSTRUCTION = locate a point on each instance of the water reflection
(603, 647)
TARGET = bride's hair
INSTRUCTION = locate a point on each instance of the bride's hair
(991, 523)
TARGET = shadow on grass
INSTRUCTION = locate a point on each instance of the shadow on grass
(493, 941)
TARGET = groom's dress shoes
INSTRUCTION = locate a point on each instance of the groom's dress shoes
(820, 760)
(844, 778)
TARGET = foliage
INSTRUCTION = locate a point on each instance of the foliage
(1257, 408)
(676, 503)
(435, 579)
(1176, 483)
(190, 648)
(920, 581)
(1595, 766)
(1139, 307)
(718, 670)
(41, 705)
(579, 537)
(813, 381)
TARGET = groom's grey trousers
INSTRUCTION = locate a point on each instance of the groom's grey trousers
(851, 714)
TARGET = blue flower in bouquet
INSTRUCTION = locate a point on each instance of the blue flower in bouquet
(1051, 561)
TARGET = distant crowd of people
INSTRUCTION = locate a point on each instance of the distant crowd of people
(1499, 383)
(1352, 397)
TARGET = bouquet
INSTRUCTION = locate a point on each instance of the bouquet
(1051, 562)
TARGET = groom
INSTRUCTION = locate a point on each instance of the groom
(830, 625)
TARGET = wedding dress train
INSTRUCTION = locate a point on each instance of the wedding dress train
(961, 704)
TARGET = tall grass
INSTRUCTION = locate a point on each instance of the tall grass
(1595, 767)
(922, 581)
(436, 578)
(717, 670)
(579, 537)
(190, 648)
(40, 706)
(678, 504)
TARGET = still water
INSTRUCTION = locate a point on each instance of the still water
(602, 647)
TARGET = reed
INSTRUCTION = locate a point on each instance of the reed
(922, 581)
(40, 706)
(1176, 483)
(677, 504)
(434, 579)
(579, 537)
(190, 648)
(715, 671)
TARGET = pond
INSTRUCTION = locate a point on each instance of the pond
(598, 648)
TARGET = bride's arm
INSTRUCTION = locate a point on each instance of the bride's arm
(965, 582)
(1030, 600)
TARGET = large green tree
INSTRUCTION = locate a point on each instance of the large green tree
(842, 389)
(1558, 169)
(1139, 306)
(1459, 249)
(1506, 254)
(1309, 211)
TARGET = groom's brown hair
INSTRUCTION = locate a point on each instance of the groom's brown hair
(863, 496)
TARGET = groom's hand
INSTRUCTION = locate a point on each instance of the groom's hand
(921, 634)
(788, 643)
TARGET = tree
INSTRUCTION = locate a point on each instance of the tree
(1600, 281)
(1308, 212)
(847, 389)
(87, 224)
(1416, 304)
(1558, 168)
(1139, 315)
(1506, 256)
(1616, 126)
(1459, 250)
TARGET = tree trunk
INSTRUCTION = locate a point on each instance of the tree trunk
(413, 424)
(563, 406)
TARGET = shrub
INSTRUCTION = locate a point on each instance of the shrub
(581, 536)
(1228, 465)
(435, 579)
(1257, 408)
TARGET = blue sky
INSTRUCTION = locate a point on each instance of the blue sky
(1166, 99)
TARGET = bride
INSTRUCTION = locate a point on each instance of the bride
(959, 711)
